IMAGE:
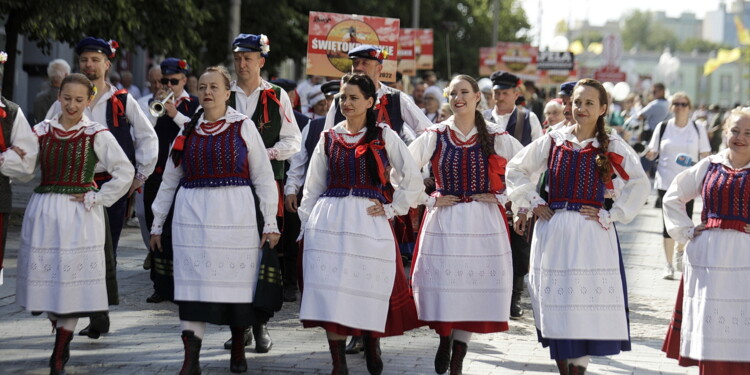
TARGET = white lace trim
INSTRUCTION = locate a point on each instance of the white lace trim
(271, 227)
(156, 229)
(536, 201)
(390, 212)
(430, 202)
(605, 220)
(502, 199)
(90, 199)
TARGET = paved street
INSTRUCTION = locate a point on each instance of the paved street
(145, 338)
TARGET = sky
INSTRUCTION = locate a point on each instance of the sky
(600, 11)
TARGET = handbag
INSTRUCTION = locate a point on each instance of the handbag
(269, 293)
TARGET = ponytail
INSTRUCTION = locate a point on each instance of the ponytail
(603, 165)
(485, 139)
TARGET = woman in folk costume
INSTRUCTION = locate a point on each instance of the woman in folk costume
(354, 283)
(577, 280)
(462, 276)
(711, 323)
(220, 164)
(61, 263)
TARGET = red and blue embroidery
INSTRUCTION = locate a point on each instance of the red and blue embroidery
(726, 197)
(214, 160)
(460, 167)
(347, 173)
(574, 179)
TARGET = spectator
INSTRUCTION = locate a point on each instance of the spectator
(654, 112)
(127, 83)
(56, 71)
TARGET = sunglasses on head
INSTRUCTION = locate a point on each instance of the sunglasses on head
(680, 104)
(173, 81)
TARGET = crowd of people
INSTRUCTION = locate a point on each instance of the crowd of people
(390, 211)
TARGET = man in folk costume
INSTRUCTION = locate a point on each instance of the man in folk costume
(525, 127)
(134, 133)
(295, 179)
(270, 109)
(177, 111)
(394, 108)
(18, 152)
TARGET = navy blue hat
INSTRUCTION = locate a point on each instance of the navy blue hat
(90, 43)
(286, 84)
(251, 43)
(503, 80)
(567, 88)
(173, 65)
(331, 87)
(368, 51)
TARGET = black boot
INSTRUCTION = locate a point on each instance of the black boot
(290, 292)
(516, 312)
(61, 352)
(237, 361)
(457, 357)
(247, 338)
(576, 370)
(372, 355)
(155, 298)
(263, 342)
(443, 355)
(98, 324)
(191, 365)
(356, 345)
(339, 357)
(562, 366)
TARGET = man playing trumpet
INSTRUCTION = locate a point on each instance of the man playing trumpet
(174, 107)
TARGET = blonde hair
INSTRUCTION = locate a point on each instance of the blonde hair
(684, 95)
(735, 115)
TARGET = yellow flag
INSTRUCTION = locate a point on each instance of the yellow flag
(743, 35)
(711, 65)
(726, 56)
(596, 48)
(576, 47)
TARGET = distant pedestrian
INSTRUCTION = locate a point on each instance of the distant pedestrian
(711, 321)
(56, 71)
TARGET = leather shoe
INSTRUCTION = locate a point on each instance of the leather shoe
(98, 324)
(263, 342)
(356, 345)
(290, 293)
(248, 340)
(155, 298)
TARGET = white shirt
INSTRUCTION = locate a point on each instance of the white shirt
(676, 140)
(179, 119)
(289, 136)
(411, 114)
(533, 159)
(502, 121)
(11, 164)
(144, 137)
(295, 176)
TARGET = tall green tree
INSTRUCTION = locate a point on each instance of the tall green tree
(642, 32)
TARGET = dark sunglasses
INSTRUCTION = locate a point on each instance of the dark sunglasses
(680, 104)
(173, 81)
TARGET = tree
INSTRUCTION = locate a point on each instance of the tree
(159, 26)
(700, 45)
(561, 27)
(641, 32)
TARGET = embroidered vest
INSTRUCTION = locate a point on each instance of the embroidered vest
(270, 130)
(167, 130)
(6, 125)
(460, 168)
(67, 161)
(511, 127)
(216, 160)
(574, 179)
(347, 174)
(726, 197)
(393, 108)
(118, 123)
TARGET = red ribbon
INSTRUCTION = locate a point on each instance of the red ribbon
(179, 143)
(383, 111)
(497, 172)
(118, 109)
(264, 95)
(373, 146)
(615, 160)
(3, 114)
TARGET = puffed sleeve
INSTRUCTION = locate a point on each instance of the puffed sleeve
(685, 187)
(290, 138)
(634, 192)
(261, 174)
(413, 116)
(521, 169)
(405, 171)
(295, 176)
(421, 151)
(170, 180)
(146, 142)
(507, 146)
(315, 184)
(114, 160)
(11, 163)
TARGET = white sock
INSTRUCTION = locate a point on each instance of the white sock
(69, 324)
(580, 361)
(461, 335)
(198, 328)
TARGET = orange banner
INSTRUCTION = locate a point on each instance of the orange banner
(407, 59)
(517, 58)
(424, 49)
(332, 35)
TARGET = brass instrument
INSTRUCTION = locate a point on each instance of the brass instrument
(156, 108)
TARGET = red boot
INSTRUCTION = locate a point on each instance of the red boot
(238, 362)
(191, 365)
(61, 352)
(338, 354)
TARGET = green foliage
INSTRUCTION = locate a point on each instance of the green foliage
(700, 45)
(642, 32)
(590, 36)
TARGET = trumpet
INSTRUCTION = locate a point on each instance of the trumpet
(156, 108)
